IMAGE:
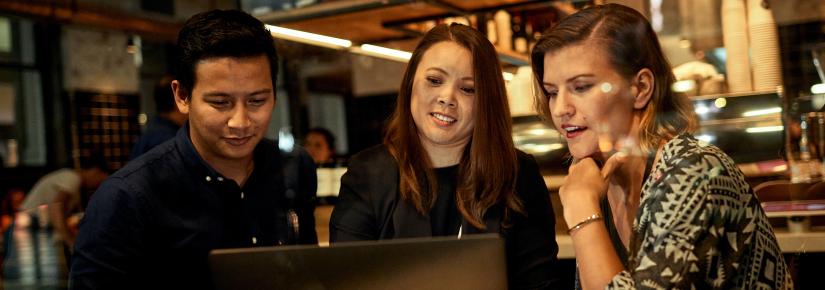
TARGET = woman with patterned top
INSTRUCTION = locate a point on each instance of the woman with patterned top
(650, 206)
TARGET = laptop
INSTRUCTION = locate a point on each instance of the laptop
(473, 262)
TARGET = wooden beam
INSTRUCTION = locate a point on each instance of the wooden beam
(148, 26)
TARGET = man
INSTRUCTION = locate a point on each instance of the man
(61, 191)
(165, 125)
(217, 184)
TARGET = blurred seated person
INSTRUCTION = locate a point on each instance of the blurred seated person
(165, 124)
(649, 205)
(10, 206)
(705, 78)
(60, 191)
(448, 166)
(320, 143)
(219, 183)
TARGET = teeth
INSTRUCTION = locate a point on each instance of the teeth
(443, 118)
(570, 129)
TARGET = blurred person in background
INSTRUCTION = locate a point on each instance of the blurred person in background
(320, 143)
(55, 200)
(165, 124)
(9, 209)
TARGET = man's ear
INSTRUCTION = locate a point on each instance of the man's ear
(181, 97)
(643, 84)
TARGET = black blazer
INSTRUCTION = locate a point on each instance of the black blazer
(369, 208)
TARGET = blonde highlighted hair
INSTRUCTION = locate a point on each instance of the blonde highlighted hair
(631, 45)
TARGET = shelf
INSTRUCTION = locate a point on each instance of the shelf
(386, 22)
(512, 57)
(765, 120)
(777, 92)
(105, 124)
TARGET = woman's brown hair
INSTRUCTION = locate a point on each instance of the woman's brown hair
(631, 45)
(489, 166)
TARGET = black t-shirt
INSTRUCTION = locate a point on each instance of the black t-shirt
(444, 216)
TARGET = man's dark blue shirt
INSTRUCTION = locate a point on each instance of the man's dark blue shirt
(152, 223)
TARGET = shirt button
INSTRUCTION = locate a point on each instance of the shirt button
(254, 241)
(241, 194)
(209, 178)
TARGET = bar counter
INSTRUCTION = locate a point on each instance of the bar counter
(811, 241)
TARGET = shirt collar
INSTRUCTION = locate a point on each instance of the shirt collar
(263, 156)
(191, 157)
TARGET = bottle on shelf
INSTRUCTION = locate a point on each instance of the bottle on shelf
(520, 36)
(804, 168)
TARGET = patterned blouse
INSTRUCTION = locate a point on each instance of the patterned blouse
(700, 226)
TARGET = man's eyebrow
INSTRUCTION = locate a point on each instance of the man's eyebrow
(224, 94)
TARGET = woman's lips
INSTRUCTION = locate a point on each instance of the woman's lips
(442, 119)
(571, 131)
(574, 134)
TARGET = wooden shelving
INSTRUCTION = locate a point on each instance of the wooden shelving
(104, 124)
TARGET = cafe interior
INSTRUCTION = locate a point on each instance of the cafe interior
(77, 78)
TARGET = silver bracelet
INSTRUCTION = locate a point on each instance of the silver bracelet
(586, 221)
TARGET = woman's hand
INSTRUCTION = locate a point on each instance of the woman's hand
(580, 193)
(584, 186)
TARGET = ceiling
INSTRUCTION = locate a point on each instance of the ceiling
(381, 21)
(149, 25)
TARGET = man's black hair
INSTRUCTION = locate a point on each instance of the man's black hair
(164, 97)
(222, 33)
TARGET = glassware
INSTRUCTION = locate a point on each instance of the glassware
(805, 155)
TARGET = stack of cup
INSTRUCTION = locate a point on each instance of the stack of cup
(764, 42)
(735, 37)
(520, 92)
(504, 31)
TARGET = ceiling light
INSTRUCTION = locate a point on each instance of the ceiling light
(701, 109)
(764, 129)
(818, 88)
(383, 52)
(720, 102)
(761, 112)
(308, 38)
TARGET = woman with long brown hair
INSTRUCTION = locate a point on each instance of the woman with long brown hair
(649, 205)
(448, 166)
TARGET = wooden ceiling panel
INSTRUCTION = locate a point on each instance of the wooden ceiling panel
(481, 4)
(363, 21)
(365, 26)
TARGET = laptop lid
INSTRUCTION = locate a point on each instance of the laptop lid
(474, 262)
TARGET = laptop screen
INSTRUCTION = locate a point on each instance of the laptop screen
(473, 262)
